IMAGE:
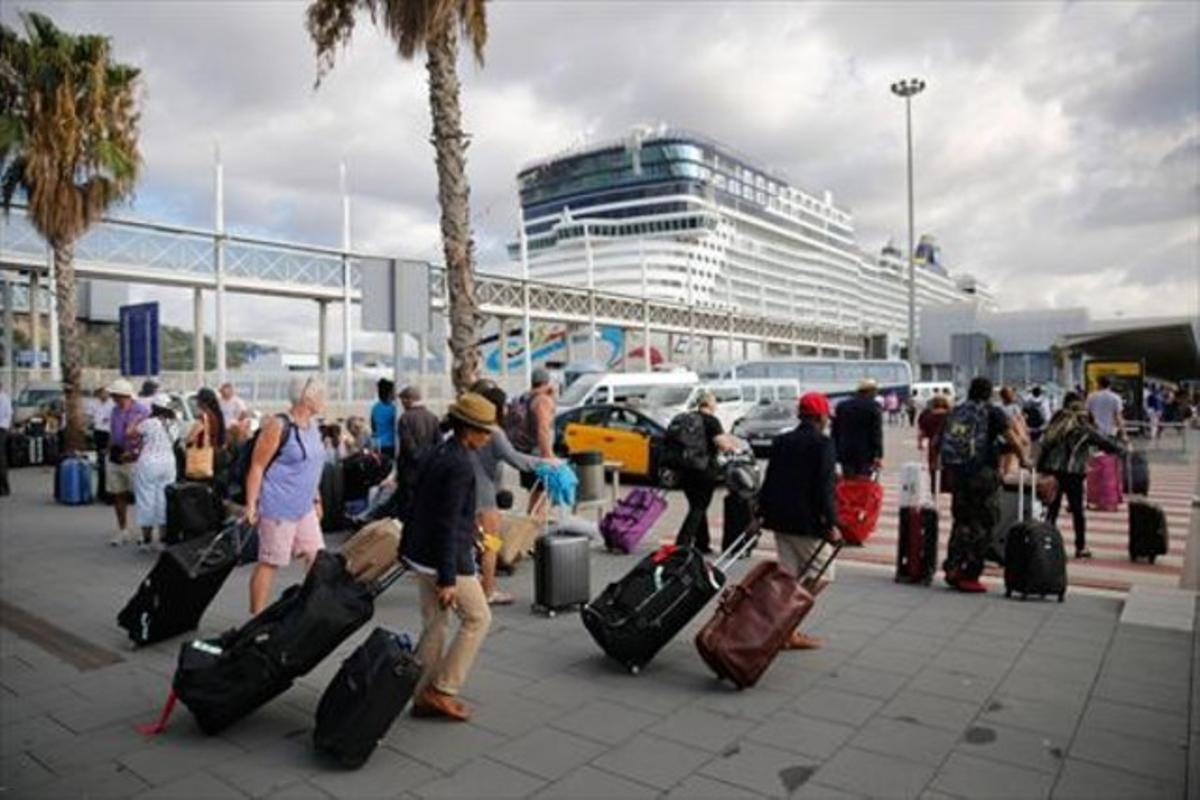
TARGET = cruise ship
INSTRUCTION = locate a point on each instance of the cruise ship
(673, 215)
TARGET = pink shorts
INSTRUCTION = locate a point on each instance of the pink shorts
(279, 540)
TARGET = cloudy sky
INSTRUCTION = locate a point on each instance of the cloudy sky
(1057, 144)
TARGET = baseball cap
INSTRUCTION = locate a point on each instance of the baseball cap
(814, 404)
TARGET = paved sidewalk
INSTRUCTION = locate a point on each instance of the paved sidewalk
(918, 693)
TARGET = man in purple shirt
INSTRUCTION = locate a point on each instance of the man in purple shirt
(122, 454)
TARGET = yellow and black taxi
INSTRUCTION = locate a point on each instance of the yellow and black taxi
(622, 434)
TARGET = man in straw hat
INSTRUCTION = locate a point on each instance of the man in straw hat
(439, 545)
(858, 431)
(127, 414)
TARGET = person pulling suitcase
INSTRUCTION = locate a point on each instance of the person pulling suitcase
(797, 500)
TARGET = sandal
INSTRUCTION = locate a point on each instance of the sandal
(499, 598)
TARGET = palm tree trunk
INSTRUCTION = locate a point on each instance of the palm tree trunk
(450, 146)
(72, 352)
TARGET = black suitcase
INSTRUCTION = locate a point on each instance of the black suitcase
(737, 513)
(917, 545)
(1137, 473)
(638, 615)
(1147, 530)
(561, 572)
(35, 449)
(364, 698)
(333, 498)
(193, 510)
(362, 471)
(179, 588)
(18, 450)
(1035, 561)
(222, 680)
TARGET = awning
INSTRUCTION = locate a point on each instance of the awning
(1169, 345)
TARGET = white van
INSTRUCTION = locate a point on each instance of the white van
(622, 387)
(923, 391)
(734, 398)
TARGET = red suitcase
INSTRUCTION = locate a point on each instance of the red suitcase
(754, 620)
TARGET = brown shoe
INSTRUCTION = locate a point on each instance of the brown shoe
(801, 641)
(433, 703)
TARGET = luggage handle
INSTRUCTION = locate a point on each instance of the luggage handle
(381, 585)
(808, 565)
(744, 543)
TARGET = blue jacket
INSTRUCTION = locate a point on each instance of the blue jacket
(797, 495)
(858, 431)
(440, 530)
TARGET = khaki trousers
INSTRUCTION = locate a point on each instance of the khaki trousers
(795, 551)
(447, 670)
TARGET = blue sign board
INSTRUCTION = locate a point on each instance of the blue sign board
(139, 339)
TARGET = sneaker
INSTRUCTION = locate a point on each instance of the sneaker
(952, 579)
(970, 586)
(119, 538)
(1084, 553)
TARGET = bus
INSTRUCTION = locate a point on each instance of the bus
(835, 377)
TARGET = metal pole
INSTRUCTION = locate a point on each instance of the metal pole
(323, 339)
(198, 334)
(526, 322)
(647, 366)
(52, 318)
(35, 323)
(219, 257)
(347, 287)
(591, 279)
(502, 338)
(913, 360)
(10, 360)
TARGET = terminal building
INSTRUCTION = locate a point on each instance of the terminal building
(675, 216)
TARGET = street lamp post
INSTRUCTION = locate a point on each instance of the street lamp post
(907, 89)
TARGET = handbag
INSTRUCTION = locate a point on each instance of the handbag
(199, 459)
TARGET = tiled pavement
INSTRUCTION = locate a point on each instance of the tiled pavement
(918, 693)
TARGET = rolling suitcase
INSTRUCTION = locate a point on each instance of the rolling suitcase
(635, 617)
(631, 519)
(362, 471)
(184, 580)
(754, 620)
(917, 542)
(222, 680)
(36, 443)
(859, 501)
(73, 481)
(364, 698)
(561, 572)
(1104, 482)
(1147, 530)
(1011, 499)
(1035, 560)
(333, 498)
(1137, 473)
(193, 510)
(373, 551)
(18, 450)
(737, 512)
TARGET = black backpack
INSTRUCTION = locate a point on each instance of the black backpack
(965, 441)
(1035, 420)
(687, 442)
(245, 454)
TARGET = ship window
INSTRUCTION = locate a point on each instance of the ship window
(761, 197)
(735, 187)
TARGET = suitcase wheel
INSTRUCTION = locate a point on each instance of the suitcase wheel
(1152, 558)
(634, 669)
(1008, 593)
(1062, 596)
(551, 613)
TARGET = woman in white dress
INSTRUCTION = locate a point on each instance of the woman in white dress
(155, 471)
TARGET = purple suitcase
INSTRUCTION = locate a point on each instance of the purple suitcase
(632, 518)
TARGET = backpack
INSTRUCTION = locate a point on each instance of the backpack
(1034, 418)
(965, 440)
(241, 467)
(687, 443)
(518, 424)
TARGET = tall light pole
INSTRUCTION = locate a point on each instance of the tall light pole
(907, 89)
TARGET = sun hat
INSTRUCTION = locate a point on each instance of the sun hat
(867, 385)
(121, 387)
(814, 404)
(474, 410)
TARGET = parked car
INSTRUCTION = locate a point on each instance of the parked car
(37, 399)
(622, 434)
(763, 423)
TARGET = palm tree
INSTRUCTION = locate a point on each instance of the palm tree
(432, 26)
(68, 147)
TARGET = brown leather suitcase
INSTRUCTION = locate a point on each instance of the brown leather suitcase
(754, 619)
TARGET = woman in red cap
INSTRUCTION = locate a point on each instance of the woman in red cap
(797, 500)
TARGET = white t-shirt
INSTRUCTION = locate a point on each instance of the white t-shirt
(1105, 407)
(233, 409)
(101, 414)
(5, 410)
